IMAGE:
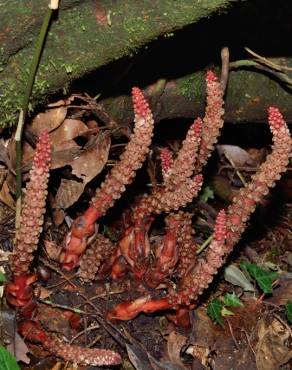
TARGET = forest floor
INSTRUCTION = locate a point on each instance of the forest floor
(243, 321)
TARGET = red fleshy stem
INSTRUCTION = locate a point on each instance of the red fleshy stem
(19, 293)
(129, 310)
(111, 189)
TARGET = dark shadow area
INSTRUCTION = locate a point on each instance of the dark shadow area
(260, 25)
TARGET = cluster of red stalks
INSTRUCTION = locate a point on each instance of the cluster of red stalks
(172, 259)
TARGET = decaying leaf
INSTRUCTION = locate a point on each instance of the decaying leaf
(88, 165)
(273, 348)
(235, 276)
(93, 159)
(69, 129)
(19, 349)
(6, 197)
(175, 343)
(68, 192)
(9, 337)
(138, 356)
(282, 293)
(239, 156)
(49, 120)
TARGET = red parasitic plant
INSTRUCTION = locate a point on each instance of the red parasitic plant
(19, 292)
(111, 189)
(170, 258)
(176, 254)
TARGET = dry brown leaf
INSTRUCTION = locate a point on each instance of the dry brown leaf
(273, 349)
(175, 343)
(282, 293)
(239, 156)
(52, 250)
(62, 102)
(68, 193)
(54, 319)
(223, 188)
(69, 129)
(92, 161)
(64, 148)
(88, 165)
(63, 156)
(44, 293)
(6, 197)
(19, 349)
(49, 120)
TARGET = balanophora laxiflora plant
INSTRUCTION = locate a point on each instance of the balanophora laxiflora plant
(228, 229)
(175, 257)
(182, 179)
(19, 292)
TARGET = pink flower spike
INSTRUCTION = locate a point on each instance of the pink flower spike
(166, 159)
(220, 231)
(141, 106)
(197, 127)
(276, 119)
(211, 77)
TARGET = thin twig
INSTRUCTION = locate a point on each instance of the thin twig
(204, 245)
(267, 62)
(242, 179)
(232, 334)
(67, 308)
(83, 332)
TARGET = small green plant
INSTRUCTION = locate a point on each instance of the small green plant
(263, 278)
(2, 277)
(217, 308)
(207, 193)
(214, 311)
(7, 360)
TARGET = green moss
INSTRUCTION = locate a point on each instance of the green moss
(191, 86)
(77, 43)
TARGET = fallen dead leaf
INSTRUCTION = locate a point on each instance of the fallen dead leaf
(70, 129)
(239, 156)
(50, 120)
(93, 159)
(175, 343)
(282, 293)
(87, 166)
(62, 102)
(19, 349)
(54, 319)
(44, 293)
(6, 197)
(273, 348)
(52, 250)
(68, 192)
